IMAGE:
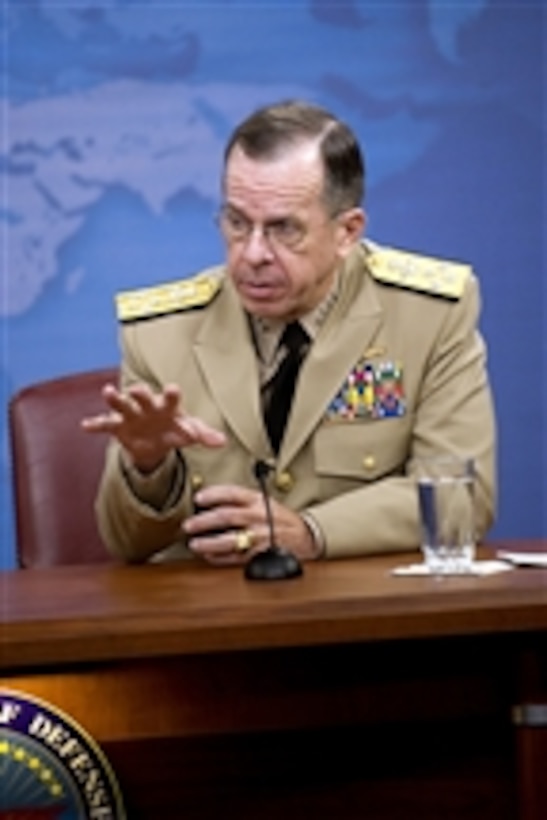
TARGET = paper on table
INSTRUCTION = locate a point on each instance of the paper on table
(478, 568)
(524, 559)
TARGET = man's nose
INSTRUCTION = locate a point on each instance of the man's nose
(257, 248)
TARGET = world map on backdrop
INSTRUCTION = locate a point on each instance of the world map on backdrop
(116, 113)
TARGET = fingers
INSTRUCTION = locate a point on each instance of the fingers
(232, 526)
(231, 495)
(103, 423)
(198, 432)
(172, 398)
(231, 547)
(139, 413)
(121, 409)
(139, 400)
(220, 519)
(238, 511)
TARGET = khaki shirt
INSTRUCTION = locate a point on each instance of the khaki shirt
(348, 470)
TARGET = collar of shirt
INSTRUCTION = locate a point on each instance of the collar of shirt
(267, 333)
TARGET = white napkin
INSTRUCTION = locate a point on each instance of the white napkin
(478, 568)
(524, 559)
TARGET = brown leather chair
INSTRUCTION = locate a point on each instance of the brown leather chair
(56, 469)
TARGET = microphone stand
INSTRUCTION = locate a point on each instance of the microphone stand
(275, 563)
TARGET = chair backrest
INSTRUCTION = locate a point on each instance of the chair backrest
(56, 468)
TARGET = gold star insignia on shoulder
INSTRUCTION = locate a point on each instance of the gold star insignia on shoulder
(172, 297)
(437, 277)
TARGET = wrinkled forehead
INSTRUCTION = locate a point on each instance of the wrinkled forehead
(292, 179)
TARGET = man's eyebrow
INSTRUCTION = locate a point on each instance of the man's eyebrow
(232, 207)
(281, 217)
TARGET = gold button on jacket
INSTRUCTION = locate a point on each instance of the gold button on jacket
(284, 482)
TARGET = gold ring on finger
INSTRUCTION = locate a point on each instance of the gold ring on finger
(244, 540)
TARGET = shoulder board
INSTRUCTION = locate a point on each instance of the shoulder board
(425, 274)
(173, 297)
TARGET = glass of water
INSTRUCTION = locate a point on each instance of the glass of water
(447, 513)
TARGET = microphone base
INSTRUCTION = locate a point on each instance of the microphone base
(273, 564)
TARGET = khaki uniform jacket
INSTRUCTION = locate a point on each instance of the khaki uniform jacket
(349, 474)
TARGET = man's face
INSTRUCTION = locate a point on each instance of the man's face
(283, 247)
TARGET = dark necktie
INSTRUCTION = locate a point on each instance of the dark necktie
(282, 385)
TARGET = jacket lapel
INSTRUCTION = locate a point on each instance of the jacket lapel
(348, 331)
(227, 359)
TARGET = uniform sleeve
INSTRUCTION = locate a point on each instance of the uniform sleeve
(453, 415)
(139, 516)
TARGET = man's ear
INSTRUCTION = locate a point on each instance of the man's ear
(351, 227)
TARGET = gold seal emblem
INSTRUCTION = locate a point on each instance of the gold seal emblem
(50, 768)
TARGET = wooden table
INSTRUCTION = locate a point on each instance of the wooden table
(347, 693)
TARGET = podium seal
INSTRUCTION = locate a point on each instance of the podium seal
(50, 768)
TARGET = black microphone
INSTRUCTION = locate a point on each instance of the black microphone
(275, 563)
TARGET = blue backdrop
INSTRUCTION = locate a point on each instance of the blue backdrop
(114, 115)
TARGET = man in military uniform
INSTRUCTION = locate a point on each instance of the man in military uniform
(386, 365)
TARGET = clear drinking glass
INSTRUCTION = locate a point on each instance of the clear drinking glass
(447, 513)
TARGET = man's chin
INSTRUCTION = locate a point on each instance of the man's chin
(265, 308)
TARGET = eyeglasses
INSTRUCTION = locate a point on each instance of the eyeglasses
(285, 232)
